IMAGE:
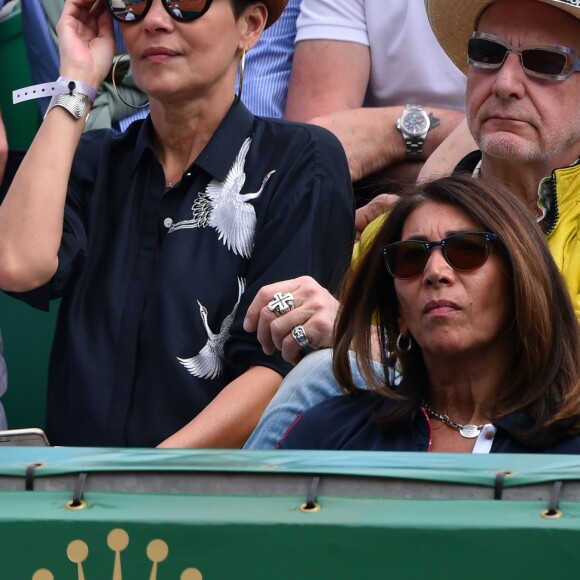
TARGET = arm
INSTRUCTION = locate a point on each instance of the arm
(327, 76)
(231, 417)
(375, 208)
(327, 87)
(440, 162)
(31, 217)
(444, 159)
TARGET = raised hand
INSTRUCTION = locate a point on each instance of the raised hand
(86, 41)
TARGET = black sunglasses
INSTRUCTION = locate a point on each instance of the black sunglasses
(129, 11)
(464, 252)
(546, 61)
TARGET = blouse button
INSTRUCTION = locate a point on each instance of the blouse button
(489, 434)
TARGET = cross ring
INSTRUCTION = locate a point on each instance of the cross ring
(281, 304)
(300, 337)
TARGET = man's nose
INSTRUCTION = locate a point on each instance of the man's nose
(509, 81)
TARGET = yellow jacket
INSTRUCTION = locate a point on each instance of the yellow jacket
(564, 240)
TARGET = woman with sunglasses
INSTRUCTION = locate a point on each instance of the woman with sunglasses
(158, 239)
(477, 337)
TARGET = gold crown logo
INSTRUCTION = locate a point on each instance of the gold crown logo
(118, 540)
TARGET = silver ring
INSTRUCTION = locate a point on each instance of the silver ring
(300, 337)
(281, 304)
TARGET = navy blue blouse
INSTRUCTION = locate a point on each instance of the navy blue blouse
(155, 284)
(353, 422)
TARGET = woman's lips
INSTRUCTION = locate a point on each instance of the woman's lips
(440, 307)
(158, 53)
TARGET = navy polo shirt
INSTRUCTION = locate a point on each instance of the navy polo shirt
(155, 285)
(353, 423)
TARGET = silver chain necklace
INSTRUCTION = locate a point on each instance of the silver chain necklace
(468, 431)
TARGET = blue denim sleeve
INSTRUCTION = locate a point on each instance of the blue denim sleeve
(309, 383)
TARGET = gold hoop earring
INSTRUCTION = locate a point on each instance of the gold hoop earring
(113, 76)
(242, 72)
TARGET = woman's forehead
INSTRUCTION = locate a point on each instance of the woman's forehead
(432, 217)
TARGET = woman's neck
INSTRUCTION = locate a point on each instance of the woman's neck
(181, 133)
(463, 390)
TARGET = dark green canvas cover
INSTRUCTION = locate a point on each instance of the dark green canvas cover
(237, 514)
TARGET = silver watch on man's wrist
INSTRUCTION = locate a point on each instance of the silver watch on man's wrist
(414, 124)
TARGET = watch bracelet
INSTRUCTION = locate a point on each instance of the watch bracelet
(414, 151)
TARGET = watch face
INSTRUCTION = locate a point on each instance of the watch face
(415, 123)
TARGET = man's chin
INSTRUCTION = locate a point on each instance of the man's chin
(510, 147)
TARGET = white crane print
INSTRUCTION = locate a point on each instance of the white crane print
(225, 209)
(208, 364)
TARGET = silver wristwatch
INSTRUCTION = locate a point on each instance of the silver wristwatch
(414, 124)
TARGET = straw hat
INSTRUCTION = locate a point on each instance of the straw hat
(275, 9)
(453, 22)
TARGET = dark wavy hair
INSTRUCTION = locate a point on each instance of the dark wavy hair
(544, 380)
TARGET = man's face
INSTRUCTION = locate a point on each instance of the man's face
(520, 118)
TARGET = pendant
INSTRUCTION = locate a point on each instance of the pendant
(470, 431)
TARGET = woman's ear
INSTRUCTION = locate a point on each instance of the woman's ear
(253, 22)
(403, 328)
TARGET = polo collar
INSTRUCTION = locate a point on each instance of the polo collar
(220, 152)
(515, 423)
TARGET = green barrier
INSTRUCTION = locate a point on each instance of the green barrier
(27, 338)
(205, 515)
(27, 334)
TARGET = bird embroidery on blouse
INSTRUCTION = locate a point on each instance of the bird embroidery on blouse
(225, 209)
(208, 364)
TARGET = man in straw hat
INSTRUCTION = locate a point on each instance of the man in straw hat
(522, 105)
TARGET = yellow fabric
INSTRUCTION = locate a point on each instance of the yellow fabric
(366, 239)
(564, 241)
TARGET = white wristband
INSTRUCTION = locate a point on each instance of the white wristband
(62, 86)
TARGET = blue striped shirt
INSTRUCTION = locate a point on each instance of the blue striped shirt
(268, 66)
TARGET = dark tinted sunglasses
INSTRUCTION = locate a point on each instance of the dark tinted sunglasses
(129, 11)
(464, 252)
(546, 61)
